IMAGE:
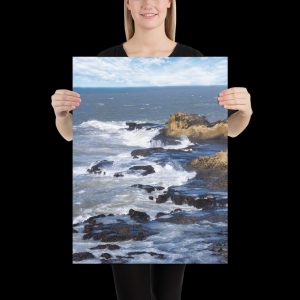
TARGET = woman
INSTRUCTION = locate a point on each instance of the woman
(150, 31)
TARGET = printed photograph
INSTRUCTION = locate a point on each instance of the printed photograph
(150, 161)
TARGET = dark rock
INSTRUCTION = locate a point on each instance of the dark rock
(106, 246)
(122, 232)
(92, 220)
(110, 215)
(147, 169)
(87, 236)
(159, 188)
(99, 247)
(164, 139)
(82, 256)
(97, 167)
(180, 218)
(90, 227)
(138, 216)
(175, 210)
(147, 188)
(160, 214)
(162, 198)
(209, 202)
(159, 255)
(151, 197)
(133, 125)
(106, 255)
(203, 201)
(147, 152)
(119, 174)
(219, 248)
(75, 231)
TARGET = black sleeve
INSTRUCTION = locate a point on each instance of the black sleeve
(184, 50)
(230, 112)
(115, 51)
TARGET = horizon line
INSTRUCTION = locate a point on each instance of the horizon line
(140, 86)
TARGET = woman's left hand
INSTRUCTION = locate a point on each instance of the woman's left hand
(236, 98)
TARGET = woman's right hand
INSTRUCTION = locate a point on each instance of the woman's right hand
(63, 101)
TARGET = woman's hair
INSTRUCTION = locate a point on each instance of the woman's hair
(170, 22)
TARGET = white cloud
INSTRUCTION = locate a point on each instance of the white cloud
(148, 71)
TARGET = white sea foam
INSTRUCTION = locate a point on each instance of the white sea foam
(184, 142)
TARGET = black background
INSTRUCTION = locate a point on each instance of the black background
(87, 31)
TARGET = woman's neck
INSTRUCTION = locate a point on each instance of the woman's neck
(149, 42)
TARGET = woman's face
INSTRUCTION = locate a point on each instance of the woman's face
(148, 14)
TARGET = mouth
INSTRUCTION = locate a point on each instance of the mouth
(149, 15)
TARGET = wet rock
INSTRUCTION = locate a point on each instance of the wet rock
(147, 151)
(106, 246)
(203, 201)
(106, 255)
(133, 125)
(93, 220)
(118, 174)
(164, 139)
(162, 198)
(148, 188)
(175, 210)
(98, 166)
(146, 169)
(151, 197)
(117, 232)
(75, 231)
(180, 218)
(160, 214)
(82, 256)
(158, 255)
(219, 248)
(91, 227)
(138, 216)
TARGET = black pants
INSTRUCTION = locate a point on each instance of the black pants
(148, 282)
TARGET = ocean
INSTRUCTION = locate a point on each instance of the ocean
(101, 136)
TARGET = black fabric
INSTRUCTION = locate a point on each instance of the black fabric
(148, 282)
(179, 50)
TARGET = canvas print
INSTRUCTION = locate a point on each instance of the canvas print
(150, 161)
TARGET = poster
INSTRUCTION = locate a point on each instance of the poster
(150, 161)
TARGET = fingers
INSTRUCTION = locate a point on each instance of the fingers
(240, 101)
(67, 92)
(240, 107)
(234, 98)
(56, 102)
(64, 101)
(64, 108)
(65, 98)
(233, 90)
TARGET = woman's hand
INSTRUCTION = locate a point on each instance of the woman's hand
(236, 98)
(63, 101)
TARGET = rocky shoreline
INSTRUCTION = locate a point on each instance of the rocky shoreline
(111, 231)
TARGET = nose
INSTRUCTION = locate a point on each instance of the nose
(147, 3)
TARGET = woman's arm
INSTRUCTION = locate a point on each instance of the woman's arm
(237, 123)
(64, 126)
(239, 99)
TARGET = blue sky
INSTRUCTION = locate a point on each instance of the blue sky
(148, 71)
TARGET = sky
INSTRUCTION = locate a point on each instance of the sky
(148, 71)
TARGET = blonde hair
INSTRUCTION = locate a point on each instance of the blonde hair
(170, 22)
